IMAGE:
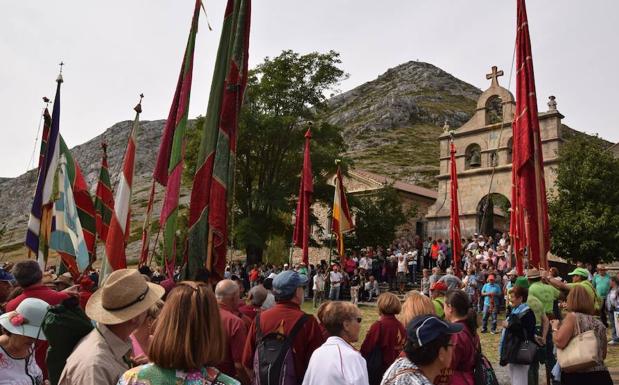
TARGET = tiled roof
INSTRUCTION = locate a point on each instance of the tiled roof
(398, 185)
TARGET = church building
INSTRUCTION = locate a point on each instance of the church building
(484, 163)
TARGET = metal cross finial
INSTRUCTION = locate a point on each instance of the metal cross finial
(138, 108)
(494, 75)
(59, 79)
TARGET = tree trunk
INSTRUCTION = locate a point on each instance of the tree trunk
(254, 254)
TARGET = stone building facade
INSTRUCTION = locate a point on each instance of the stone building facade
(483, 160)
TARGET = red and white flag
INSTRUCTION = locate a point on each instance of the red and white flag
(119, 225)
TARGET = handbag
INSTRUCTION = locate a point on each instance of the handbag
(483, 373)
(517, 350)
(580, 353)
(526, 353)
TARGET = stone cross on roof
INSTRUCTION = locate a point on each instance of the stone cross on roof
(494, 75)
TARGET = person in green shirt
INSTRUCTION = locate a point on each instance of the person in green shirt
(547, 295)
(541, 331)
(601, 283)
(580, 277)
(438, 290)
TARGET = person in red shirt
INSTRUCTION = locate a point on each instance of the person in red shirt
(227, 294)
(256, 297)
(387, 333)
(254, 275)
(288, 288)
(458, 310)
(434, 249)
(29, 277)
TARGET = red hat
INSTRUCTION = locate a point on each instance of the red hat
(439, 286)
(491, 277)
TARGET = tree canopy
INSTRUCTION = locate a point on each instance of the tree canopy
(285, 95)
(584, 206)
(378, 216)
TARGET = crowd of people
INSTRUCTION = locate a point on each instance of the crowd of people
(141, 327)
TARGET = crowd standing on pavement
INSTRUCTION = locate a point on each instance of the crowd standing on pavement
(141, 326)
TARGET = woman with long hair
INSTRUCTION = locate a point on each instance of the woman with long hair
(458, 310)
(185, 349)
(142, 337)
(581, 319)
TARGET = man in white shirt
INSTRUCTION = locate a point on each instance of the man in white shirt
(365, 263)
(401, 272)
(335, 281)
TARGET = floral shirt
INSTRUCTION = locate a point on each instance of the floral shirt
(151, 374)
(404, 372)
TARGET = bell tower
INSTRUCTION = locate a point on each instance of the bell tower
(483, 160)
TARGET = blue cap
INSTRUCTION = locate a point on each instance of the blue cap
(286, 282)
(6, 276)
(426, 328)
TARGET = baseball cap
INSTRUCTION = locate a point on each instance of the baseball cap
(426, 328)
(580, 271)
(439, 286)
(286, 282)
(6, 276)
(522, 282)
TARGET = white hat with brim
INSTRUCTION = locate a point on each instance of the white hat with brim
(32, 312)
(124, 296)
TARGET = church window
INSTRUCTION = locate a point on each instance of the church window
(510, 150)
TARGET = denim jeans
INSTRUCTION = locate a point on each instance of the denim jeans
(318, 298)
(484, 319)
(334, 293)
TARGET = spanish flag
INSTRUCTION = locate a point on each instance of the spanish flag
(342, 221)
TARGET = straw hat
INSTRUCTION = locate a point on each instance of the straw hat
(533, 273)
(124, 295)
(26, 320)
(65, 279)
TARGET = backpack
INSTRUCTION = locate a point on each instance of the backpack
(374, 362)
(273, 359)
(64, 326)
(483, 373)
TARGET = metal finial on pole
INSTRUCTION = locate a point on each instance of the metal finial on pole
(138, 108)
(60, 79)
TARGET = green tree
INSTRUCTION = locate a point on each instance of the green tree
(284, 95)
(584, 208)
(378, 216)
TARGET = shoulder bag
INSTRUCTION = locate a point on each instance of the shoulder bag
(580, 353)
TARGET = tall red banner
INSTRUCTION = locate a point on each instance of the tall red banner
(454, 219)
(306, 189)
(529, 219)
